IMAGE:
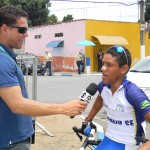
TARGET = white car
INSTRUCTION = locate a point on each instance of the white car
(140, 74)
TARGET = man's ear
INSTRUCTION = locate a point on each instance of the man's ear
(4, 28)
(124, 69)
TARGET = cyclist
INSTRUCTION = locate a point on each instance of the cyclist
(126, 105)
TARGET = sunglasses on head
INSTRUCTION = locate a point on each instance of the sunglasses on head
(21, 30)
(120, 49)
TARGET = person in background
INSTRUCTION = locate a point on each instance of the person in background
(16, 109)
(48, 63)
(127, 106)
(99, 56)
(79, 62)
(83, 61)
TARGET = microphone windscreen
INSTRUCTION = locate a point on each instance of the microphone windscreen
(92, 89)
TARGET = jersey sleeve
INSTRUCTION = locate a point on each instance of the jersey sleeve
(137, 98)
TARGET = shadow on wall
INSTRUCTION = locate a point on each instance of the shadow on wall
(62, 64)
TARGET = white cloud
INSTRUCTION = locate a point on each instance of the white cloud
(98, 11)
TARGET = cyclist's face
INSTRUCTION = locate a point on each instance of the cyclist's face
(111, 72)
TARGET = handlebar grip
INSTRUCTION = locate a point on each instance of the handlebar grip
(75, 129)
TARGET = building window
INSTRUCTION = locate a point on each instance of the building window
(59, 34)
(38, 36)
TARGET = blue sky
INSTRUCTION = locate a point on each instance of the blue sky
(98, 11)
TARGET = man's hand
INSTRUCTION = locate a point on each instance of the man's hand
(73, 108)
(145, 146)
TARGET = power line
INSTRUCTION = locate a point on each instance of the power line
(97, 2)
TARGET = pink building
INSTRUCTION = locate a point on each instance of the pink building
(61, 38)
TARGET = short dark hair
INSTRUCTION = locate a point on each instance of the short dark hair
(10, 14)
(121, 57)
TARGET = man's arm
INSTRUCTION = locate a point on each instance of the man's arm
(98, 104)
(13, 98)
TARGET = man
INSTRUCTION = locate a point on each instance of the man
(16, 108)
(79, 62)
(83, 61)
(48, 63)
(127, 107)
(99, 56)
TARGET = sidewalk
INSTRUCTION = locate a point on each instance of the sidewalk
(75, 74)
(61, 127)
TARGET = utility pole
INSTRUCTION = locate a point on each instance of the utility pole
(142, 28)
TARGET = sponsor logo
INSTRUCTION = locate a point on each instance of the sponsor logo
(145, 104)
(120, 108)
(121, 122)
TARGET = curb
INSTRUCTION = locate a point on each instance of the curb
(75, 74)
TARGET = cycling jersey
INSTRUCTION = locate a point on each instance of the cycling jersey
(125, 112)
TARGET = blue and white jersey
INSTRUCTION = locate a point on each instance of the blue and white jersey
(125, 111)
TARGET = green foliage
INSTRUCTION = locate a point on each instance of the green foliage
(147, 11)
(37, 9)
(67, 18)
(4, 3)
(52, 19)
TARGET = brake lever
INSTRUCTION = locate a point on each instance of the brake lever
(77, 133)
(80, 137)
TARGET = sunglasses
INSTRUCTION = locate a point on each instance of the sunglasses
(120, 49)
(21, 30)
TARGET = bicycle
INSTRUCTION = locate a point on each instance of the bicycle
(94, 134)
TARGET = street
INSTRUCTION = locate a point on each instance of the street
(60, 89)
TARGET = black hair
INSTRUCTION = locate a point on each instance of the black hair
(10, 14)
(122, 58)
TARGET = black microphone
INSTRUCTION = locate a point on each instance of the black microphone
(87, 95)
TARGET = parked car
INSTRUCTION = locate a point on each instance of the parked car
(25, 61)
(140, 74)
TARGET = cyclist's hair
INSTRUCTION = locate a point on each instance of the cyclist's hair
(122, 58)
(10, 14)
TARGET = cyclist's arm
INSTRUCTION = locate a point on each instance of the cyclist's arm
(147, 117)
(145, 146)
(98, 104)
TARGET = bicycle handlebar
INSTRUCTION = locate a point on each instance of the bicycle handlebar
(88, 131)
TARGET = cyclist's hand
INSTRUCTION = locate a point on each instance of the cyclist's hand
(88, 129)
(145, 146)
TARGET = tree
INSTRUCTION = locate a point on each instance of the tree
(67, 18)
(52, 19)
(37, 9)
(147, 11)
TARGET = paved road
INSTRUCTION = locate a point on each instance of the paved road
(60, 89)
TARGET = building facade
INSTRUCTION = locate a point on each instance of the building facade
(61, 39)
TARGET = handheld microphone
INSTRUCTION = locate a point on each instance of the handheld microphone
(87, 95)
